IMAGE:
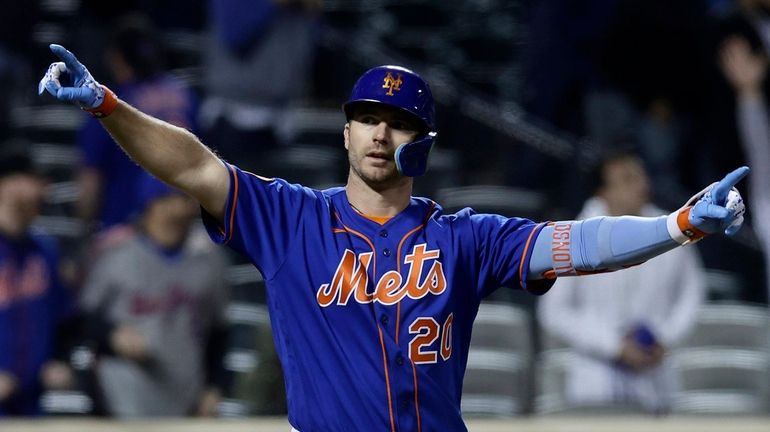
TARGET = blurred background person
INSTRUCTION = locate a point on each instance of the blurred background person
(35, 308)
(155, 308)
(258, 62)
(743, 56)
(651, 89)
(107, 177)
(620, 325)
(607, 69)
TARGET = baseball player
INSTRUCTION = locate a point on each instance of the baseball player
(372, 292)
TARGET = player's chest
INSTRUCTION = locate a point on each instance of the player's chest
(381, 266)
(401, 285)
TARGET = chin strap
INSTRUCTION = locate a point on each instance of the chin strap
(412, 158)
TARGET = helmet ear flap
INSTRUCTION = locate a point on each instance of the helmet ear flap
(412, 158)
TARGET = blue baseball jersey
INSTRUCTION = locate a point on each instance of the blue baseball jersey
(372, 323)
(32, 303)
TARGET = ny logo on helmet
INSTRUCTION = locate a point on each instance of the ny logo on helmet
(392, 84)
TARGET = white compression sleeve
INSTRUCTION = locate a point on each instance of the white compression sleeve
(599, 244)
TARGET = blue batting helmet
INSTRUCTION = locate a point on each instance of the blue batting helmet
(400, 88)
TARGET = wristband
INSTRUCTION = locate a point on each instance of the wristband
(680, 229)
(107, 106)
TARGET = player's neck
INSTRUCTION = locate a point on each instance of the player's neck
(387, 202)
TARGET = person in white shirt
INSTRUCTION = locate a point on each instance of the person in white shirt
(744, 66)
(620, 325)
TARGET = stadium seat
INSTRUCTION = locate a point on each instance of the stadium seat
(550, 380)
(722, 381)
(443, 172)
(246, 283)
(550, 341)
(66, 403)
(496, 384)
(309, 165)
(57, 123)
(552, 365)
(503, 327)
(739, 325)
(507, 201)
(315, 125)
(498, 381)
(723, 285)
(248, 325)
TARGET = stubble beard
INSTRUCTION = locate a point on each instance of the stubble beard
(379, 182)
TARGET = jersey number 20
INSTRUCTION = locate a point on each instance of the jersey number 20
(427, 331)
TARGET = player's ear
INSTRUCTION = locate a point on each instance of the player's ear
(346, 134)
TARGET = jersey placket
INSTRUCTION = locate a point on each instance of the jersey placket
(391, 242)
(400, 370)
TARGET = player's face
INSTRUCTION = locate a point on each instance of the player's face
(174, 214)
(24, 194)
(372, 137)
(626, 186)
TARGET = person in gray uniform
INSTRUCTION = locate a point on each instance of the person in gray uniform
(156, 305)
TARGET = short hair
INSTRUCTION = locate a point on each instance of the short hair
(150, 189)
(17, 161)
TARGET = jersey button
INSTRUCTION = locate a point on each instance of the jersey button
(386, 252)
(383, 234)
(405, 403)
(399, 360)
(384, 320)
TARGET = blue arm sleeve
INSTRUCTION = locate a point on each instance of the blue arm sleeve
(598, 245)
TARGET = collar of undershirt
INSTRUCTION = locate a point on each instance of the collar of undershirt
(382, 220)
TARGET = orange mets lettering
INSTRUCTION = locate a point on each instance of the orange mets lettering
(388, 289)
(416, 260)
(27, 283)
(435, 280)
(352, 279)
(351, 275)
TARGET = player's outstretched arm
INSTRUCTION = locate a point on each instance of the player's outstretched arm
(601, 244)
(170, 153)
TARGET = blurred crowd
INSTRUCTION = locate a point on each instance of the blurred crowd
(140, 315)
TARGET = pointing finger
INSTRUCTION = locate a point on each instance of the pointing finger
(720, 191)
(68, 58)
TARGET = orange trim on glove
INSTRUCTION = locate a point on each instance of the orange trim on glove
(107, 106)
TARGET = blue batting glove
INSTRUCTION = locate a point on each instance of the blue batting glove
(84, 91)
(721, 207)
